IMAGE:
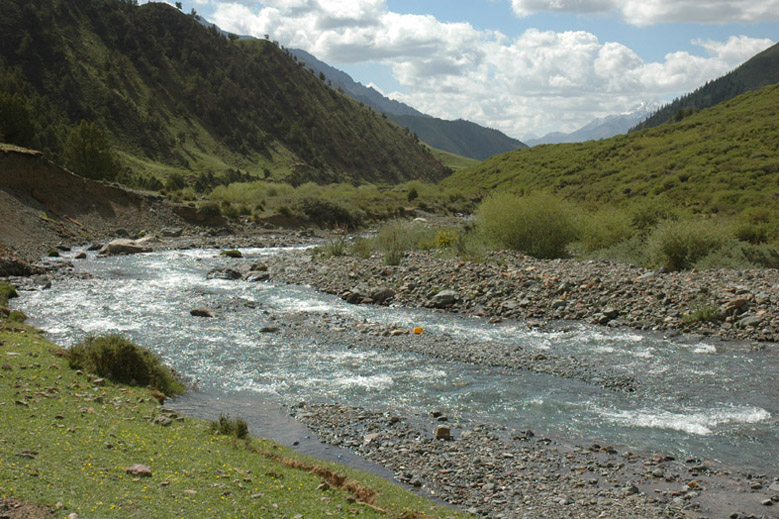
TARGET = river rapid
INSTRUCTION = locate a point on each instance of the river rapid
(711, 400)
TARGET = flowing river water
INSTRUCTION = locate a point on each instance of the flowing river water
(713, 400)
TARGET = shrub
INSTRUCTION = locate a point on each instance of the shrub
(325, 212)
(210, 209)
(703, 314)
(333, 247)
(539, 225)
(444, 239)
(231, 253)
(739, 255)
(679, 245)
(362, 248)
(605, 229)
(227, 426)
(122, 361)
(648, 215)
(7, 292)
(17, 316)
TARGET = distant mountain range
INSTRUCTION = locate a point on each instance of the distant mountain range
(762, 70)
(601, 128)
(460, 137)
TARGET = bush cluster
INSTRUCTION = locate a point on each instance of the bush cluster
(122, 361)
(7, 292)
(236, 427)
(538, 225)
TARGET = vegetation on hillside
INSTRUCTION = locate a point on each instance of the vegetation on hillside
(70, 439)
(721, 160)
(335, 205)
(762, 70)
(175, 96)
(460, 137)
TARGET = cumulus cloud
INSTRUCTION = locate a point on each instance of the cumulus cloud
(537, 82)
(650, 12)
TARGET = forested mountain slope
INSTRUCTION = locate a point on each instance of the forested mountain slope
(176, 97)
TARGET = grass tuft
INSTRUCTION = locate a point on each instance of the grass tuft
(226, 426)
(122, 361)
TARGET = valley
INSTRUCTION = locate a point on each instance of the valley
(462, 326)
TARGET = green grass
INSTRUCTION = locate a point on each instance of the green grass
(339, 205)
(66, 440)
(7, 292)
(722, 160)
(451, 160)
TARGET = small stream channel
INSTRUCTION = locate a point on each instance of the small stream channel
(712, 400)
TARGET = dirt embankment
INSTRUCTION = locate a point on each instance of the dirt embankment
(43, 205)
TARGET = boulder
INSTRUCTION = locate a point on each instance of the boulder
(125, 246)
(444, 298)
(224, 273)
(139, 470)
(255, 276)
(442, 432)
(381, 294)
(201, 312)
(172, 232)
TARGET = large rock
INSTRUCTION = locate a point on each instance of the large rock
(381, 294)
(224, 273)
(255, 276)
(139, 470)
(125, 246)
(444, 299)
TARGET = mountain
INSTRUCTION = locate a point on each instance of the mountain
(180, 100)
(459, 137)
(760, 71)
(600, 128)
(343, 81)
(719, 160)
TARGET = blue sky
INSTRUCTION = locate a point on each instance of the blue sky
(526, 67)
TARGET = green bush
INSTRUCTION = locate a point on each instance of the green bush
(740, 255)
(336, 246)
(605, 229)
(538, 225)
(17, 316)
(7, 292)
(678, 245)
(227, 426)
(362, 248)
(324, 212)
(703, 314)
(231, 253)
(122, 361)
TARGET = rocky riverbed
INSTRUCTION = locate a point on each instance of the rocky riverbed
(495, 472)
(740, 305)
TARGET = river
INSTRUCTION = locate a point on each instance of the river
(712, 400)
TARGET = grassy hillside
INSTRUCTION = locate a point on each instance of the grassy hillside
(453, 161)
(459, 137)
(175, 96)
(723, 159)
(760, 71)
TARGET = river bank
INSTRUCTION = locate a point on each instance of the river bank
(734, 305)
(496, 471)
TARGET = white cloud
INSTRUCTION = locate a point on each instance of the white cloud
(650, 12)
(537, 82)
